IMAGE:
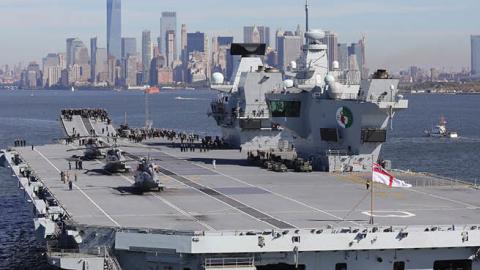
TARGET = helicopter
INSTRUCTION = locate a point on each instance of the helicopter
(91, 149)
(146, 176)
(115, 161)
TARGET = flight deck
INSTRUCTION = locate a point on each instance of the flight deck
(234, 196)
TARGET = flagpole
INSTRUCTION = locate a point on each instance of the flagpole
(371, 222)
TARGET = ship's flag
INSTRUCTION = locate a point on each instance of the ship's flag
(380, 175)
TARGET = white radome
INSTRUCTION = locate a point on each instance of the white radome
(335, 65)
(315, 34)
(293, 65)
(288, 83)
(217, 78)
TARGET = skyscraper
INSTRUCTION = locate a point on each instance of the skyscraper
(289, 49)
(331, 40)
(342, 49)
(196, 42)
(93, 58)
(71, 44)
(171, 50)
(114, 28)
(129, 47)
(168, 22)
(146, 55)
(475, 54)
(263, 31)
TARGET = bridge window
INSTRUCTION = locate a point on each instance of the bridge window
(280, 108)
(341, 266)
(399, 266)
(374, 135)
(453, 265)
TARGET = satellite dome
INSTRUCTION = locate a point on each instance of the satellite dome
(293, 65)
(329, 79)
(315, 34)
(288, 83)
(217, 78)
(335, 65)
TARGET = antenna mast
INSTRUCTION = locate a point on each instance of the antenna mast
(306, 21)
(306, 16)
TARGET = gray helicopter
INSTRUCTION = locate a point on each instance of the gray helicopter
(115, 161)
(146, 176)
(91, 150)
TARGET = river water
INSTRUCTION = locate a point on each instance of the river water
(33, 116)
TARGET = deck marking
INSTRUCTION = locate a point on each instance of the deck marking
(178, 209)
(267, 190)
(235, 204)
(389, 214)
(81, 191)
(445, 199)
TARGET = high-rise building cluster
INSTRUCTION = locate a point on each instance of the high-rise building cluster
(176, 56)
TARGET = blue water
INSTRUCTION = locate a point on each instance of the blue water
(33, 116)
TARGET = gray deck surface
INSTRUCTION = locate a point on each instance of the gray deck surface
(235, 196)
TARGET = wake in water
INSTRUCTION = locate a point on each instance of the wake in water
(188, 98)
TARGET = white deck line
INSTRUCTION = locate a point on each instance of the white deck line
(81, 191)
(445, 199)
(272, 192)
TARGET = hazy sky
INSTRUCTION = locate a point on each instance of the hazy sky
(399, 32)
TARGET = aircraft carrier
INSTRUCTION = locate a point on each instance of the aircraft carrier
(216, 209)
(235, 216)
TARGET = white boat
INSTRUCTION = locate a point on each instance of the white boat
(441, 130)
(73, 89)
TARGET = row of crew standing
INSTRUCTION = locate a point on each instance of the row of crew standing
(87, 113)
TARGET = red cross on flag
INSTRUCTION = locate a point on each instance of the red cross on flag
(380, 175)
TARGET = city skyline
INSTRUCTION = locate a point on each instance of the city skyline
(398, 34)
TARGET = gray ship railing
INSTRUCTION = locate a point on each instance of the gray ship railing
(229, 262)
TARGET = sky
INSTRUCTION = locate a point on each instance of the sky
(399, 33)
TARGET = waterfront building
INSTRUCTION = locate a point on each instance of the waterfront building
(256, 34)
(160, 74)
(101, 65)
(130, 70)
(168, 22)
(114, 28)
(146, 55)
(475, 54)
(51, 70)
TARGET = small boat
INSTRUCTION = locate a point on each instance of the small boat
(73, 89)
(440, 130)
(152, 90)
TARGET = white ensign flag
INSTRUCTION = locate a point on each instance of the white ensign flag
(380, 175)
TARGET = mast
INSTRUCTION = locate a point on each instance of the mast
(306, 21)
(306, 16)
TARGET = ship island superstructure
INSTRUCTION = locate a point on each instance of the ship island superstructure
(241, 110)
(338, 125)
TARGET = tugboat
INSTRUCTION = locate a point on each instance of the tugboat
(440, 130)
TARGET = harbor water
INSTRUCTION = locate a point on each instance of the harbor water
(33, 116)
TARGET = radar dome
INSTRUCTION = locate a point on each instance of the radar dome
(288, 83)
(335, 65)
(293, 65)
(315, 34)
(329, 79)
(217, 78)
